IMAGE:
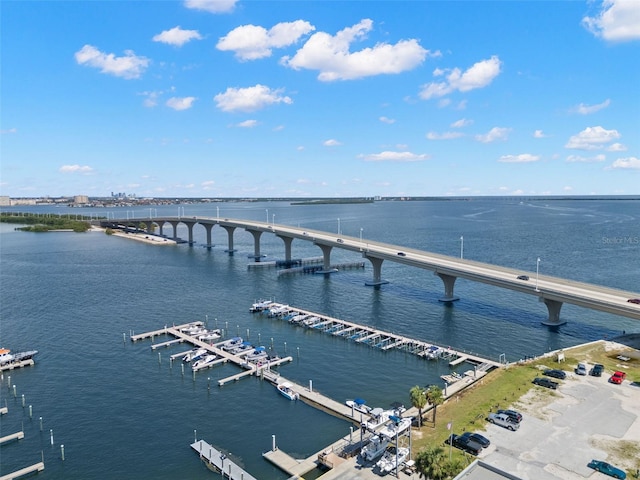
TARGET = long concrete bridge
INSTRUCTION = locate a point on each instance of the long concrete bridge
(552, 291)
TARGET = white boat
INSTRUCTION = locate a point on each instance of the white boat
(392, 459)
(6, 356)
(230, 344)
(20, 356)
(204, 362)
(278, 310)
(242, 349)
(378, 418)
(359, 405)
(194, 354)
(209, 335)
(192, 327)
(286, 390)
(259, 353)
(376, 447)
(260, 306)
(396, 426)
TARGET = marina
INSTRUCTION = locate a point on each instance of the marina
(217, 461)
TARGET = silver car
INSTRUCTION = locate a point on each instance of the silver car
(581, 369)
(503, 420)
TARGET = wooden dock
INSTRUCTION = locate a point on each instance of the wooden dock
(379, 338)
(13, 436)
(36, 467)
(219, 462)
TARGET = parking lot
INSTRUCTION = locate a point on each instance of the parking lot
(562, 430)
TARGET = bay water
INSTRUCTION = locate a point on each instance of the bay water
(123, 411)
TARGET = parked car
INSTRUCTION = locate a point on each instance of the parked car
(607, 469)
(523, 277)
(545, 382)
(503, 420)
(596, 370)
(617, 377)
(581, 369)
(464, 443)
(550, 372)
(481, 439)
(512, 414)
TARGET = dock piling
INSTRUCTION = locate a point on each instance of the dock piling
(62, 452)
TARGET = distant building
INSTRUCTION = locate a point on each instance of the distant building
(80, 200)
(5, 201)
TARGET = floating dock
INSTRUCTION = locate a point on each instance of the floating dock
(19, 364)
(217, 461)
(374, 337)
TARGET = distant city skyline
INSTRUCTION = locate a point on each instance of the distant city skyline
(240, 99)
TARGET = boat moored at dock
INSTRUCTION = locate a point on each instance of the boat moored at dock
(287, 391)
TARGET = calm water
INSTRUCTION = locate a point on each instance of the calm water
(122, 412)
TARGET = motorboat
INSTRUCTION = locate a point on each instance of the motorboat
(431, 352)
(191, 328)
(278, 311)
(21, 356)
(259, 353)
(242, 349)
(286, 390)
(392, 459)
(204, 362)
(260, 306)
(210, 335)
(359, 405)
(194, 354)
(6, 356)
(396, 426)
(378, 418)
(230, 344)
(376, 447)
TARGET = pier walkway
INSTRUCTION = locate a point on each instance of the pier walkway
(218, 462)
(374, 337)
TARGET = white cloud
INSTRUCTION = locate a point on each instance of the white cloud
(178, 103)
(581, 159)
(248, 124)
(522, 158)
(212, 6)
(617, 21)
(208, 184)
(76, 169)
(539, 134)
(249, 99)
(129, 66)
(394, 157)
(617, 147)
(478, 75)
(496, 133)
(631, 163)
(9, 130)
(583, 109)
(463, 122)
(387, 120)
(177, 36)
(250, 42)
(331, 143)
(592, 138)
(444, 135)
(330, 55)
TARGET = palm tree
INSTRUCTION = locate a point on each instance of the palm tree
(418, 400)
(432, 464)
(434, 397)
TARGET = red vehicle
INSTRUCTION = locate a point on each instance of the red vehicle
(617, 377)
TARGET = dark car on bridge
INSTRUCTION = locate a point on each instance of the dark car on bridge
(634, 300)
(523, 277)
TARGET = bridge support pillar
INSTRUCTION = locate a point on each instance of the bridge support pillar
(449, 281)
(287, 247)
(256, 244)
(190, 229)
(377, 271)
(175, 230)
(160, 227)
(326, 255)
(208, 227)
(230, 231)
(553, 307)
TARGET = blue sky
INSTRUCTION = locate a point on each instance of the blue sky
(228, 98)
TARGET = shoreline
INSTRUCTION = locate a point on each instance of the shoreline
(148, 238)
